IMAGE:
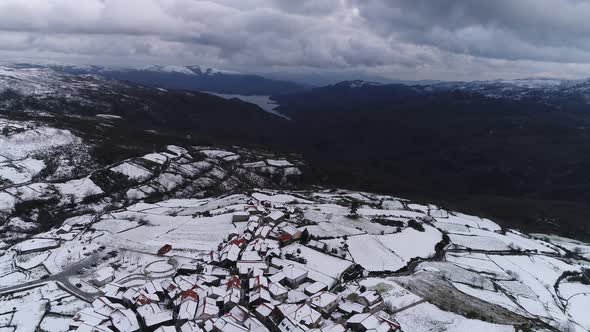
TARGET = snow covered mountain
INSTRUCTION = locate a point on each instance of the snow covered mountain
(551, 91)
(191, 77)
(184, 113)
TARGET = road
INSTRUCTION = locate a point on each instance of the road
(63, 278)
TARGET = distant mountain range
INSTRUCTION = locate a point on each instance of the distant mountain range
(570, 94)
(557, 92)
(183, 77)
(26, 92)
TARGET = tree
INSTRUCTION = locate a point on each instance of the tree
(305, 237)
(415, 225)
(354, 206)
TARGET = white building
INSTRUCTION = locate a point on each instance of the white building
(103, 276)
(294, 276)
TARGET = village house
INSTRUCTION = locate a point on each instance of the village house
(113, 292)
(229, 255)
(187, 269)
(315, 288)
(90, 318)
(103, 306)
(188, 309)
(370, 322)
(301, 313)
(285, 239)
(124, 320)
(263, 312)
(251, 256)
(225, 324)
(216, 271)
(262, 232)
(372, 300)
(317, 245)
(275, 217)
(246, 267)
(278, 292)
(349, 308)
(259, 296)
(254, 219)
(103, 276)
(153, 287)
(84, 327)
(153, 316)
(190, 327)
(242, 317)
(292, 231)
(294, 276)
(207, 309)
(325, 302)
(170, 288)
(232, 297)
(240, 216)
(232, 282)
(209, 280)
(257, 281)
(166, 329)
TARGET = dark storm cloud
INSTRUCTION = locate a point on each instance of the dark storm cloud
(544, 30)
(449, 39)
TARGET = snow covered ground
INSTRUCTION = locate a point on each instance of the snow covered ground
(427, 317)
(26, 148)
(188, 198)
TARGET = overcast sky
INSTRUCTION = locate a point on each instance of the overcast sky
(405, 39)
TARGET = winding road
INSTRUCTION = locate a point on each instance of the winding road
(62, 278)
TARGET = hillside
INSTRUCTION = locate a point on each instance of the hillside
(178, 239)
(130, 208)
(518, 160)
(119, 116)
(184, 77)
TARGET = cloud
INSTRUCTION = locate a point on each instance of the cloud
(542, 30)
(443, 39)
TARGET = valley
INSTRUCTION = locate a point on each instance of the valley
(130, 208)
(160, 224)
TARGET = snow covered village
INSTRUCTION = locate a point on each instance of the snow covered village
(257, 259)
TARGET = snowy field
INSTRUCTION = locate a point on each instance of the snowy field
(352, 240)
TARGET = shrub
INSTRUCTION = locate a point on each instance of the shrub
(387, 222)
(353, 213)
(305, 237)
(415, 225)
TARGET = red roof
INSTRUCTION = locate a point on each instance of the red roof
(143, 300)
(189, 293)
(164, 250)
(234, 282)
(239, 242)
(285, 237)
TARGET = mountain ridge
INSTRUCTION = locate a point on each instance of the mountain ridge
(191, 77)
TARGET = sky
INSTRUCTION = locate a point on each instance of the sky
(397, 39)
